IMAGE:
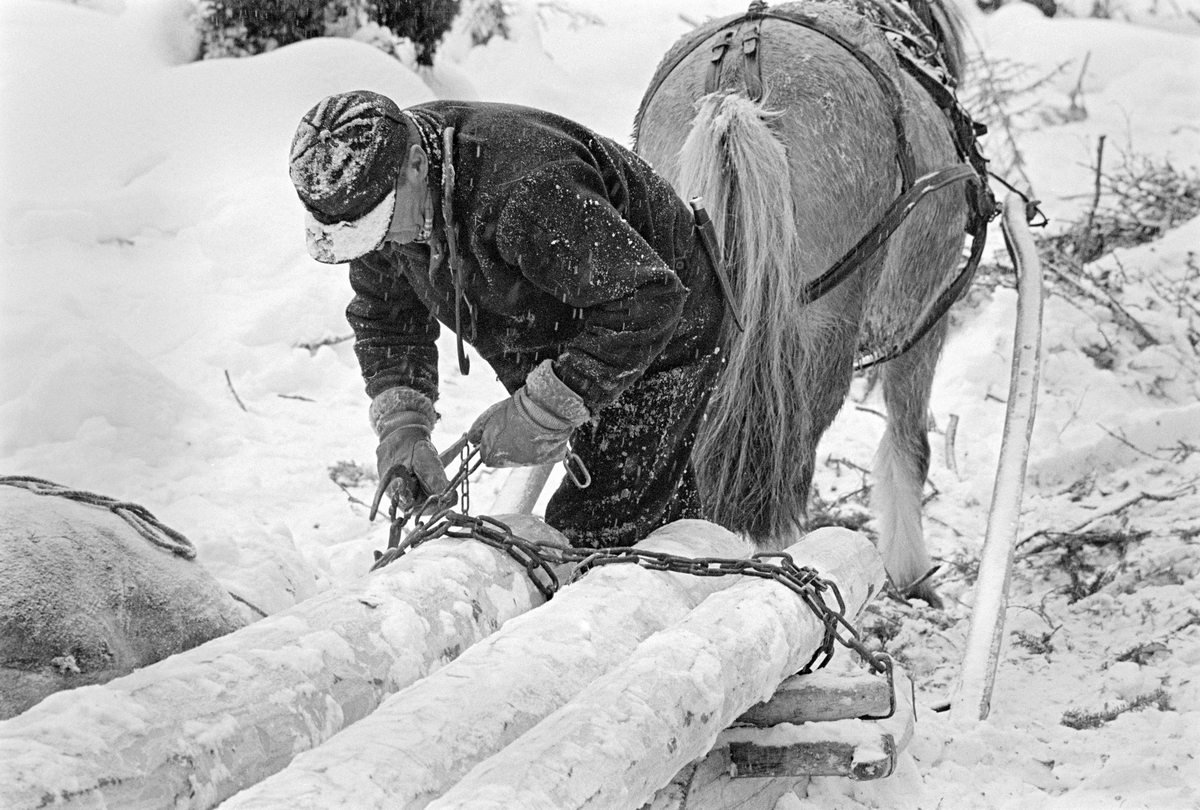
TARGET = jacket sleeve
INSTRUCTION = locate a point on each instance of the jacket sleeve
(559, 228)
(395, 336)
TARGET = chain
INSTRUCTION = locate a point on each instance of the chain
(540, 560)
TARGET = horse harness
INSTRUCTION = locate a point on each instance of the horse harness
(917, 53)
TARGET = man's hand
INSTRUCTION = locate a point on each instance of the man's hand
(532, 426)
(408, 464)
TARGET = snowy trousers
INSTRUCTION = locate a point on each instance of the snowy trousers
(638, 454)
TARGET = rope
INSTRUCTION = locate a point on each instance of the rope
(136, 516)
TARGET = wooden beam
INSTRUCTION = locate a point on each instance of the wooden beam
(858, 749)
(632, 730)
(197, 727)
(822, 695)
(440, 727)
(751, 768)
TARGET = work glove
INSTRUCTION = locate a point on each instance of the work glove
(409, 468)
(532, 426)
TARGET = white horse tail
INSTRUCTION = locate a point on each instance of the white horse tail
(754, 432)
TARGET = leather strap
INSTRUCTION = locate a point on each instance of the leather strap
(456, 264)
(875, 238)
(752, 70)
(936, 310)
(712, 79)
(708, 239)
(758, 13)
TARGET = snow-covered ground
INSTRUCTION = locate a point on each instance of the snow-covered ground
(157, 300)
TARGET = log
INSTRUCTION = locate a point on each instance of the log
(197, 727)
(972, 696)
(441, 726)
(625, 736)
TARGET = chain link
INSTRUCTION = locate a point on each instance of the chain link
(540, 561)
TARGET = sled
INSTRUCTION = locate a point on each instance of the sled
(685, 700)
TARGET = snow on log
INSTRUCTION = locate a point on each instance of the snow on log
(199, 726)
(972, 696)
(633, 729)
(424, 738)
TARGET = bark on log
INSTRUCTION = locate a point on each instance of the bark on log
(440, 727)
(197, 727)
(633, 729)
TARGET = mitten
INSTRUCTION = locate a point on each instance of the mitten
(409, 468)
(532, 426)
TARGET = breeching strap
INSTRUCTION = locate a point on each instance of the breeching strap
(751, 45)
(844, 267)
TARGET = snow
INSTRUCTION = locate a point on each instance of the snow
(155, 291)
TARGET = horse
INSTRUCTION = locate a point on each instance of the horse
(799, 126)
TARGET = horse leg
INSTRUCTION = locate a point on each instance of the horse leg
(902, 464)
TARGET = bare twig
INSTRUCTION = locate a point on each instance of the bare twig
(296, 396)
(1186, 489)
(865, 409)
(1126, 442)
(1091, 218)
(1143, 338)
(951, 431)
(229, 382)
(313, 345)
(835, 461)
(349, 494)
(1077, 92)
(248, 604)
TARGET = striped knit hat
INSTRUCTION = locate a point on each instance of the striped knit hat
(345, 159)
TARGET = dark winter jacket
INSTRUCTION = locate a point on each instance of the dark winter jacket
(573, 249)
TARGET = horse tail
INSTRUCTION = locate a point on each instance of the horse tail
(754, 430)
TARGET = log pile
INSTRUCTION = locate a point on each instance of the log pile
(632, 687)
(195, 728)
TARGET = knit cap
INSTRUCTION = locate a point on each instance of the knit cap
(345, 159)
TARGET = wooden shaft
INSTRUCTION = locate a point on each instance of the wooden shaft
(973, 692)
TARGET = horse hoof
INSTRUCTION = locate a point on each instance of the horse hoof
(924, 590)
